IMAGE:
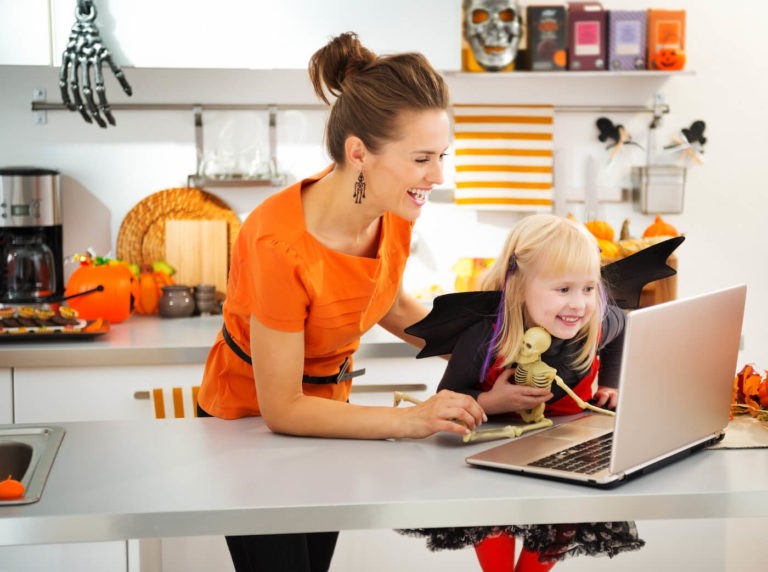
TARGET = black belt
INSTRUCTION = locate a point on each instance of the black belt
(341, 376)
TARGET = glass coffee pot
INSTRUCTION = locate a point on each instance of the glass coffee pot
(30, 268)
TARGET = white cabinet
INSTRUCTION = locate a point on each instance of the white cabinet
(6, 396)
(262, 35)
(96, 393)
(25, 37)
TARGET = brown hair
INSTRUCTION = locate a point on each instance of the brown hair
(371, 91)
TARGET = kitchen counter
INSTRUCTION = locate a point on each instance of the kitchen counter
(150, 340)
(189, 477)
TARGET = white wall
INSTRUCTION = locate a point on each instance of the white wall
(105, 172)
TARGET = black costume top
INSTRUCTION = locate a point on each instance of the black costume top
(463, 371)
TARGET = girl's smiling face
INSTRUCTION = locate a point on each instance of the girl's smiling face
(560, 304)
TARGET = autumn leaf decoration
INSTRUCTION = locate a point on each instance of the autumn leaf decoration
(750, 394)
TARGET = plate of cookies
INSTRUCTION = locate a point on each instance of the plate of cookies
(37, 324)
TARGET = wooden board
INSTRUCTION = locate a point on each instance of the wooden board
(198, 249)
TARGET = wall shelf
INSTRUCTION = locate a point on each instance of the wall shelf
(565, 74)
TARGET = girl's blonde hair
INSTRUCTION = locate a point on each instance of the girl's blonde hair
(552, 245)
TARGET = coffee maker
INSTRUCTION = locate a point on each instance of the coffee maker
(32, 264)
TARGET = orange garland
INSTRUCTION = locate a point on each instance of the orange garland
(750, 393)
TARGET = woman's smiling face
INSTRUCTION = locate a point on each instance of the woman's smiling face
(400, 176)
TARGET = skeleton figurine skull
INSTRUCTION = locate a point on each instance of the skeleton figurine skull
(492, 29)
(531, 371)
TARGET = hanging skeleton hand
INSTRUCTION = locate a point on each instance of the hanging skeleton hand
(81, 68)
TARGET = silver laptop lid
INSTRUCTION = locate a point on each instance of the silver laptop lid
(679, 362)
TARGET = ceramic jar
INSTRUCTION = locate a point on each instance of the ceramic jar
(176, 302)
(205, 298)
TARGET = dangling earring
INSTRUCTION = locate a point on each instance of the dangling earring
(359, 193)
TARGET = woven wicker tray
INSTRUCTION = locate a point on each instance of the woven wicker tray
(141, 239)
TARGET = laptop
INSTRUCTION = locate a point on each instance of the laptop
(675, 386)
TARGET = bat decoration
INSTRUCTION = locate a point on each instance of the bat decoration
(608, 130)
(453, 314)
(690, 141)
(695, 133)
(614, 132)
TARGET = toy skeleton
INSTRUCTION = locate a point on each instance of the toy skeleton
(530, 371)
(84, 57)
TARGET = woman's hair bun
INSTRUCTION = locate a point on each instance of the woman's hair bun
(340, 58)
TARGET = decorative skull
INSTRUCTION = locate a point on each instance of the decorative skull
(536, 341)
(492, 29)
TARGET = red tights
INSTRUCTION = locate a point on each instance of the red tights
(497, 554)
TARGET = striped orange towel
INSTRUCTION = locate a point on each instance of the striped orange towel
(504, 157)
(175, 402)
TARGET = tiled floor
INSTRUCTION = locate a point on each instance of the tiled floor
(682, 545)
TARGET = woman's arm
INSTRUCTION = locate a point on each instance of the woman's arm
(278, 359)
(405, 311)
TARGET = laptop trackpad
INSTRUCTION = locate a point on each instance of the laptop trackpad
(532, 448)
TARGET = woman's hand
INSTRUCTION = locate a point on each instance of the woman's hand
(607, 397)
(506, 396)
(444, 411)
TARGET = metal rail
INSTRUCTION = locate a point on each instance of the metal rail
(50, 106)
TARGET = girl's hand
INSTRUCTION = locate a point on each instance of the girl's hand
(606, 397)
(506, 396)
(444, 411)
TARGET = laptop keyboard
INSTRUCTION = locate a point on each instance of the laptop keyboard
(588, 457)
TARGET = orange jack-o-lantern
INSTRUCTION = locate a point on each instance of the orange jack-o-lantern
(669, 59)
(114, 302)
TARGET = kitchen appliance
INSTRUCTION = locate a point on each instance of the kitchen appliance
(32, 265)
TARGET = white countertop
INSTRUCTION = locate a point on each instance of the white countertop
(151, 340)
(188, 477)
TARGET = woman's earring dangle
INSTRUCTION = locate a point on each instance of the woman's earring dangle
(359, 193)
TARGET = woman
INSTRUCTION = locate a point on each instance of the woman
(321, 262)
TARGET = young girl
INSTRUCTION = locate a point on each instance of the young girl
(548, 274)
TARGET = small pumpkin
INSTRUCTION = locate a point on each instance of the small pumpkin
(660, 227)
(608, 250)
(116, 299)
(151, 284)
(11, 489)
(600, 229)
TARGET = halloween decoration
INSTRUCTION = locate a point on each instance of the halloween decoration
(453, 313)
(492, 32)
(114, 302)
(660, 227)
(690, 141)
(81, 68)
(616, 133)
(750, 394)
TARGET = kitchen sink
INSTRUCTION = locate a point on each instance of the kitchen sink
(27, 453)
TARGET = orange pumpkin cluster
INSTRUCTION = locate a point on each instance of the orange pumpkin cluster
(750, 393)
(611, 249)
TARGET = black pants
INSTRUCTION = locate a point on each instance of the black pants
(303, 552)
